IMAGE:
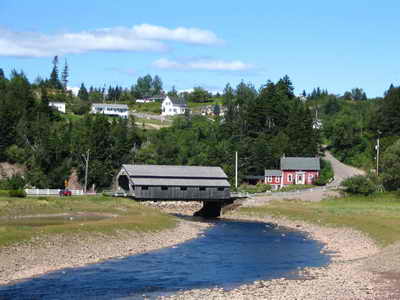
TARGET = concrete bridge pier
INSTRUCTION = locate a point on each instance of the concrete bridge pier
(212, 209)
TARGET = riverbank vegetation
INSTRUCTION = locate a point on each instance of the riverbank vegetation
(23, 219)
(377, 215)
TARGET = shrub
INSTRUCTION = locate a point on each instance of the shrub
(359, 184)
(326, 173)
(295, 187)
(15, 182)
(4, 193)
(258, 188)
(16, 154)
(17, 193)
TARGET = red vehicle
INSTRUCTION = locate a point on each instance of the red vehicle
(65, 192)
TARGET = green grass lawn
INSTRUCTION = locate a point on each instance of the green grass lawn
(378, 216)
(85, 214)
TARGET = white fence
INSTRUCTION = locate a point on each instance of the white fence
(51, 192)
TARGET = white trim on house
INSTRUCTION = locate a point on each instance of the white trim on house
(60, 106)
(119, 110)
(300, 177)
(290, 177)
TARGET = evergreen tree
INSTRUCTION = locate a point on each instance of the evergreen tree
(54, 81)
(83, 93)
(173, 92)
(64, 75)
(2, 76)
(157, 85)
(388, 114)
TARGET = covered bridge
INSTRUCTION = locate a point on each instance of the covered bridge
(166, 182)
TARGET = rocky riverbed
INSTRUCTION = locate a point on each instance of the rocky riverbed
(350, 275)
(43, 255)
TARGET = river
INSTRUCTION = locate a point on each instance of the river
(228, 254)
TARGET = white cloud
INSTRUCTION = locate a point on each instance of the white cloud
(202, 64)
(143, 37)
(181, 34)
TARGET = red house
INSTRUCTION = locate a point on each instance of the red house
(294, 170)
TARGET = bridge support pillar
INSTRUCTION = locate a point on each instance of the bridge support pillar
(211, 209)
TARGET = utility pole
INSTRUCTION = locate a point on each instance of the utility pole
(86, 159)
(236, 169)
(377, 154)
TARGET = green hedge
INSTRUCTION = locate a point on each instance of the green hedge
(258, 188)
(17, 193)
(4, 193)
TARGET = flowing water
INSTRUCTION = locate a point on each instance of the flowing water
(229, 254)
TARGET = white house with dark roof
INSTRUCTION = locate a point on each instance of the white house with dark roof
(60, 106)
(116, 110)
(172, 106)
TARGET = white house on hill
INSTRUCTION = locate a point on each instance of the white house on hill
(172, 106)
(117, 110)
(60, 106)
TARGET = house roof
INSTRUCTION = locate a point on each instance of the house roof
(176, 175)
(273, 173)
(109, 105)
(177, 101)
(300, 163)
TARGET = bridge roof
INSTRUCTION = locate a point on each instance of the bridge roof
(169, 171)
(167, 175)
(180, 182)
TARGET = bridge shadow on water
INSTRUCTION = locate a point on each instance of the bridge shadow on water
(228, 254)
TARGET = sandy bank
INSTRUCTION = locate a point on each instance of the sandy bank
(346, 277)
(43, 255)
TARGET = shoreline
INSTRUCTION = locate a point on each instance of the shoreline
(53, 253)
(354, 272)
(345, 277)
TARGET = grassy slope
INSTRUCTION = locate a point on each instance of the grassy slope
(130, 215)
(377, 216)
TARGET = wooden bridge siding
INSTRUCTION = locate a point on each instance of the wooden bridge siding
(175, 193)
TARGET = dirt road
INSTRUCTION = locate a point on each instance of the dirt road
(341, 170)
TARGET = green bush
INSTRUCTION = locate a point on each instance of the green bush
(17, 193)
(16, 154)
(258, 188)
(4, 193)
(296, 187)
(360, 184)
(15, 182)
(326, 173)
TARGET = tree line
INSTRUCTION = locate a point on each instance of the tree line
(262, 125)
(50, 146)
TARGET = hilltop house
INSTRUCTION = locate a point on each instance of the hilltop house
(151, 99)
(172, 106)
(117, 110)
(294, 170)
(60, 106)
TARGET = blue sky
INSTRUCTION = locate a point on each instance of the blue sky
(336, 45)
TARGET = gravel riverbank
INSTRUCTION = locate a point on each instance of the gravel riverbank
(347, 277)
(43, 255)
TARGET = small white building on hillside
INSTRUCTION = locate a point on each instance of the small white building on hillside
(60, 106)
(172, 106)
(116, 110)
